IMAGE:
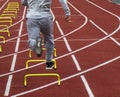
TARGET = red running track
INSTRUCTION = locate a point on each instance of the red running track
(88, 53)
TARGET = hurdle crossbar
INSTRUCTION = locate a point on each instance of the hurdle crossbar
(31, 61)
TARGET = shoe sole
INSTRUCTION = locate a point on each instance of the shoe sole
(49, 68)
(38, 48)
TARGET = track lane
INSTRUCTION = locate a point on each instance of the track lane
(73, 52)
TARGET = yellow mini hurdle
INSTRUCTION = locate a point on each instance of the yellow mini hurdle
(14, 5)
(6, 20)
(31, 61)
(10, 11)
(12, 15)
(42, 74)
(0, 48)
(2, 37)
(30, 52)
(4, 28)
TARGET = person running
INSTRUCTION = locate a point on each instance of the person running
(39, 20)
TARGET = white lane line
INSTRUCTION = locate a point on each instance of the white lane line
(22, 51)
(67, 54)
(68, 46)
(65, 40)
(114, 40)
(76, 29)
(16, 48)
(118, 17)
(9, 82)
(8, 85)
(74, 58)
(90, 93)
(13, 64)
(76, 62)
(4, 5)
(25, 50)
(12, 39)
(69, 77)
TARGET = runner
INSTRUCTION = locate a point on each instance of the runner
(39, 19)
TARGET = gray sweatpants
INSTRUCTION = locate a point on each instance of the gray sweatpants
(45, 26)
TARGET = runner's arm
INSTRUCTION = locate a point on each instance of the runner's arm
(66, 9)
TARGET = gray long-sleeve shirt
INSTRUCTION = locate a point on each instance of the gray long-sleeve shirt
(41, 8)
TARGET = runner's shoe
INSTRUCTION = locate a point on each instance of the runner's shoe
(49, 65)
(38, 48)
